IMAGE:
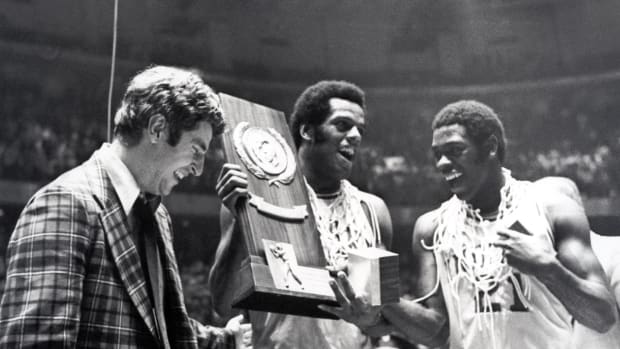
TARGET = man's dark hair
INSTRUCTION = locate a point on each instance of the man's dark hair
(479, 120)
(180, 95)
(312, 107)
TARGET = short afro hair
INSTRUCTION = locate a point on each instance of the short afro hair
(479, 120)
(312, 107)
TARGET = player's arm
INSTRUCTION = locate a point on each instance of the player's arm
(576, 276)
(231, 187)
(424, 320)
(568, 267)
(225, 267)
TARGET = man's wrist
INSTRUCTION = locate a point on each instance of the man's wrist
(378, 319)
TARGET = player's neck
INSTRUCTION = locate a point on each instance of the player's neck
(323, 187)
(321, 182)
(489, 197)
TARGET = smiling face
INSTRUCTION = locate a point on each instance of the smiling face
(464, 165)
(171, 164)
(334, 143)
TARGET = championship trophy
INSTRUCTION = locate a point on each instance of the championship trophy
(283, 268)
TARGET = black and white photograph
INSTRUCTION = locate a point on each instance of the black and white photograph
(327, 174)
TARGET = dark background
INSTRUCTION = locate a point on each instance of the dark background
(551, 68)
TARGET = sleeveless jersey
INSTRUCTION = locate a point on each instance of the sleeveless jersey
(509, 320)
(283, 331)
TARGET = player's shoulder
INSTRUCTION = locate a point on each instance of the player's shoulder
(561, 202)
(426, 224)
(557, 193)
(379, 207)
(557, 185)
(372, 199)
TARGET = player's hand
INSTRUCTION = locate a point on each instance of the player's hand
(232, 184)
(353, 308)
(242, 332)
(528, 253)
(339, 265)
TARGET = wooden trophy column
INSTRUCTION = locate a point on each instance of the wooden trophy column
(284, 269)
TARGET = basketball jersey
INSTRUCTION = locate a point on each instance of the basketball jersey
(506, 320)
(283, 331)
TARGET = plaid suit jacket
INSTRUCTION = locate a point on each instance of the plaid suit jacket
(74, 277)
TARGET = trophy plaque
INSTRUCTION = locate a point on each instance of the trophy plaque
(283, 266)
(284, 269)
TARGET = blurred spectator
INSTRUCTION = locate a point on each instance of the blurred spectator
(567, 130)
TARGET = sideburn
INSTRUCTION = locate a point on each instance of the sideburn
(319, 134)
(485, 149)
(483, 153)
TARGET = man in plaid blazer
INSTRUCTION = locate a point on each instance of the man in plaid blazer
(77, 275)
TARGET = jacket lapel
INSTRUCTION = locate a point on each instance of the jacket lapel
(124, 252)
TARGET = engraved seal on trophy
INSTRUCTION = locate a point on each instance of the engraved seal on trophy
(265, 153)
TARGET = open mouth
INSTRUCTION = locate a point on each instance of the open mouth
(452, 176)
(179, 175)
(347, 153)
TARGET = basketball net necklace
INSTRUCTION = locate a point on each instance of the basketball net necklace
(342, 224)
(465, 236)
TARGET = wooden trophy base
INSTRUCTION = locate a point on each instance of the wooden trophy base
(282, 286)
(257, 290)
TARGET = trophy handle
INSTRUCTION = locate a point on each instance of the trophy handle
(294, 214)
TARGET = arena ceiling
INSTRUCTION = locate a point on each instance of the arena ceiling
(380, 43)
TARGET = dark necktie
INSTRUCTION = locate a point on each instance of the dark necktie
(145, 207)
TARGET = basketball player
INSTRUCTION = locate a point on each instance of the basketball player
(504, 263)
(327, 124)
